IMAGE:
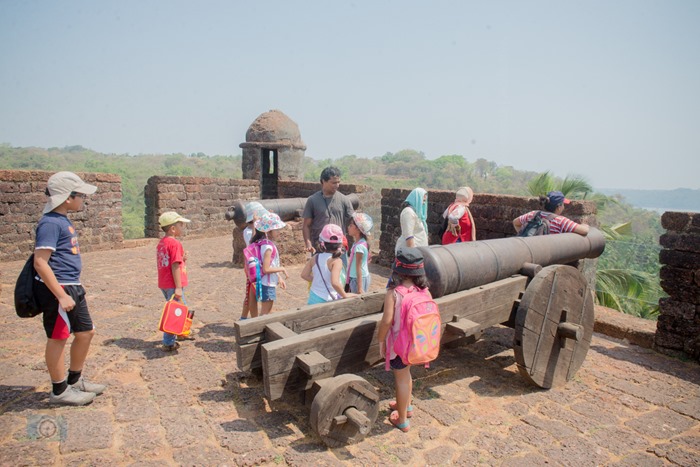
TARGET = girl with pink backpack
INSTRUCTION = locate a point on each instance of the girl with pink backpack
(409, 332)
(266, 232)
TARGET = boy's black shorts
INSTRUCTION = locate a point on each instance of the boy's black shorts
(59, 324)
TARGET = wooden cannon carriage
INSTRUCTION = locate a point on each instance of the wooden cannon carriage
(314, 350)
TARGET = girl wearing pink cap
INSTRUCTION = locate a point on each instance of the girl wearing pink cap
(325, 269)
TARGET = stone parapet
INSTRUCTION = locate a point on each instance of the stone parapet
(202, 200)
(22, 200)
(493, 215)
(678, 326)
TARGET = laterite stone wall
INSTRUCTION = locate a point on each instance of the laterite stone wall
(22, 200)
(678, 326)
(202, 200)
(493, 216)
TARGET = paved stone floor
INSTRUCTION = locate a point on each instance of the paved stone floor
(626, 405)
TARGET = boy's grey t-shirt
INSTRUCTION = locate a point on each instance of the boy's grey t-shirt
(334, 210)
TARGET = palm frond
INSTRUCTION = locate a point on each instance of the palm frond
(575, 186)
(541, 185)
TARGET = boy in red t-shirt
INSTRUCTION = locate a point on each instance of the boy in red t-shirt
(172, 270)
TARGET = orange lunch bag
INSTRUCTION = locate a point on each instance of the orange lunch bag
(176, 318)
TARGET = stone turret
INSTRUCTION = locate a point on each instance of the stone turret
(273, 151)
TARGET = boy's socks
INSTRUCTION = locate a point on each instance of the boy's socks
(59, 388)
(74, 376)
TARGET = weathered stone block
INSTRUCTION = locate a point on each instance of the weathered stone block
(680, 259)
(676, 221)
(680, 241)
(677, 309)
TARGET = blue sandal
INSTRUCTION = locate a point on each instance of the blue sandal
(394, 420)
(409, 409)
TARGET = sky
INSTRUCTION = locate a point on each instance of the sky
(607, 90)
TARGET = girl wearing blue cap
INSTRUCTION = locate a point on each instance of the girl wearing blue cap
(553, 205)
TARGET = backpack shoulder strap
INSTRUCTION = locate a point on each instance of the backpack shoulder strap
(267, 242)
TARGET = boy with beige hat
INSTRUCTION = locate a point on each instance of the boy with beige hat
(59, 293)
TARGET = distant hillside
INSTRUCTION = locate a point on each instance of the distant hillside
(403, 169)
(680, 199)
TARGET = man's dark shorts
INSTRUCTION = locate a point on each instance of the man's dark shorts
(60, 324)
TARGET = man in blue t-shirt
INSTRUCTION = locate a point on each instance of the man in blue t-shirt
(59, 293)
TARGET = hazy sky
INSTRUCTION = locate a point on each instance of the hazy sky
(605, 89)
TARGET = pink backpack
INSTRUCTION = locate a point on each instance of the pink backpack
(418, 339)
(253, 259)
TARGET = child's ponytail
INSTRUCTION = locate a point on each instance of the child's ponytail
(259, 235)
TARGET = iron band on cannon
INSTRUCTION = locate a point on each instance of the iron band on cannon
(518, 282)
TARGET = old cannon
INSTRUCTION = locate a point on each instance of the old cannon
(517, 282)
(286, 208)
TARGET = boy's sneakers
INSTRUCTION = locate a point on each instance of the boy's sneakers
(189, 336)
(87, 386)
(170, 348)
(72, 396)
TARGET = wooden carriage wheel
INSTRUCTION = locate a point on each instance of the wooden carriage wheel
(344, 409)
(553, 326)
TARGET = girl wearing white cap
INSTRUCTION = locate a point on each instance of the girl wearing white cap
(253, 211)
(357, 277)
(266, 231)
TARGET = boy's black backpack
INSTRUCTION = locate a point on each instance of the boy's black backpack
(25, 303)
(538, 225)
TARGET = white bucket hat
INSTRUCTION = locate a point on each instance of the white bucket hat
(252, 210)
(61, 185)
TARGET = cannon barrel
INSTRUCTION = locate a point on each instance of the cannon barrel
(461, 266)
(286, 208)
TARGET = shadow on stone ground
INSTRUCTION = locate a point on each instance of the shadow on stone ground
(625, 406)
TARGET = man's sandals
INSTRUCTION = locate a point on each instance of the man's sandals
(394, 420)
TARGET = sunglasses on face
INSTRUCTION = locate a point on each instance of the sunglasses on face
(76, 195)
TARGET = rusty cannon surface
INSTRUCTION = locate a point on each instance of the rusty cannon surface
(314, 350)
(286, 208)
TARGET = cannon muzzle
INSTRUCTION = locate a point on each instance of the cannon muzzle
(286, 208)
(461, 266)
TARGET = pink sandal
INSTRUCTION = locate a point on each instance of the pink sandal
(409, 409)
(394, 420)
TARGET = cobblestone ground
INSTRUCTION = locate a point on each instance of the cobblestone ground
(626, 406)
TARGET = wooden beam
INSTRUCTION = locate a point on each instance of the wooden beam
(462, 328)
(313, 364)
(352, 345)
(276, 331)
(310, 317)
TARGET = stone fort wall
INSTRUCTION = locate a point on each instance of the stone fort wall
(678, 326)
(493, 215)
(202, 200)
(22, 200)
